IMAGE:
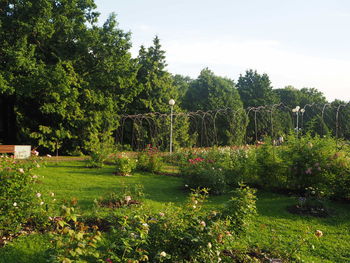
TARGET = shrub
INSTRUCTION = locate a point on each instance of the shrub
(187, 234)
(129, 195)
(241, 167)
(73, 241)
(124, 165)
(150, 160)
(270, 168)
(241, 208)
(317, 162)
(203, 173)
(100, 149)
(18, 201)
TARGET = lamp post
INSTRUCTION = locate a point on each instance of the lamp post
(171, 103)
(296, 110)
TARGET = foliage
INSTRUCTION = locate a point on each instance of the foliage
(200, 172)
(127, 196)
(124, 164)
(100, 149)
(73, 241)
(19, 202)
(149, 160)
(188, 234)
(270, 168)
(70, 78)
(241, 208)
(211, 92)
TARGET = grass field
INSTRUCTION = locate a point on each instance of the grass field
(274, 227)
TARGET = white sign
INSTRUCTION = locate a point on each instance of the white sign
(22, 151)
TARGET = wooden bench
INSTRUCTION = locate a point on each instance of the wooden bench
(7, 149)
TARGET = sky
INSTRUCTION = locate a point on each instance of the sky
(303, 43)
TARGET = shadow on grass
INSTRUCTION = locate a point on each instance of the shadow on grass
(275, 206)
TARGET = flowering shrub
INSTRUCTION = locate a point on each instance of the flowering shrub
(188, 234)
(100, 149)
(18, 198)
(200, 172)
(149, 160)
(319, 163)
(176, 234)
(124, 165)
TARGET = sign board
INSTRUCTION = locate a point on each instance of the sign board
(22, 151)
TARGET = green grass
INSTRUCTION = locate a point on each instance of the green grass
(274, 226)
(74, 180)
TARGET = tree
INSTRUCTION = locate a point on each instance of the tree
(155, 88)
(256, 90)
(210, 92)
(182, 84)
(69, 78)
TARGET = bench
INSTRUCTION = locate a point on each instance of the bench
(7, 149)
(18, 151)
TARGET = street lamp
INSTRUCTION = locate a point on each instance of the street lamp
(171, 103)
(296, 110)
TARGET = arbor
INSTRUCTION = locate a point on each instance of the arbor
(210, 92)
(256, 90)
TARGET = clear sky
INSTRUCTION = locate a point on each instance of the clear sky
(303, 43)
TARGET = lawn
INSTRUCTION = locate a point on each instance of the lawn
(274, 227)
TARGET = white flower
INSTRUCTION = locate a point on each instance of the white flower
(14, 204)
(38, 195)
(318, 233)
(209, 245)
(202, 223)
(194, 207)
(41, 203)
(162, 254)
(52, 194)
(21, 170)
(48, 155)
(37, 165)
(34, 176)
(186, 185)
(127, 198)
(195, 202)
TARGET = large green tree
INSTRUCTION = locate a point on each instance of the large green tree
(69, 78)
(225, 122)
